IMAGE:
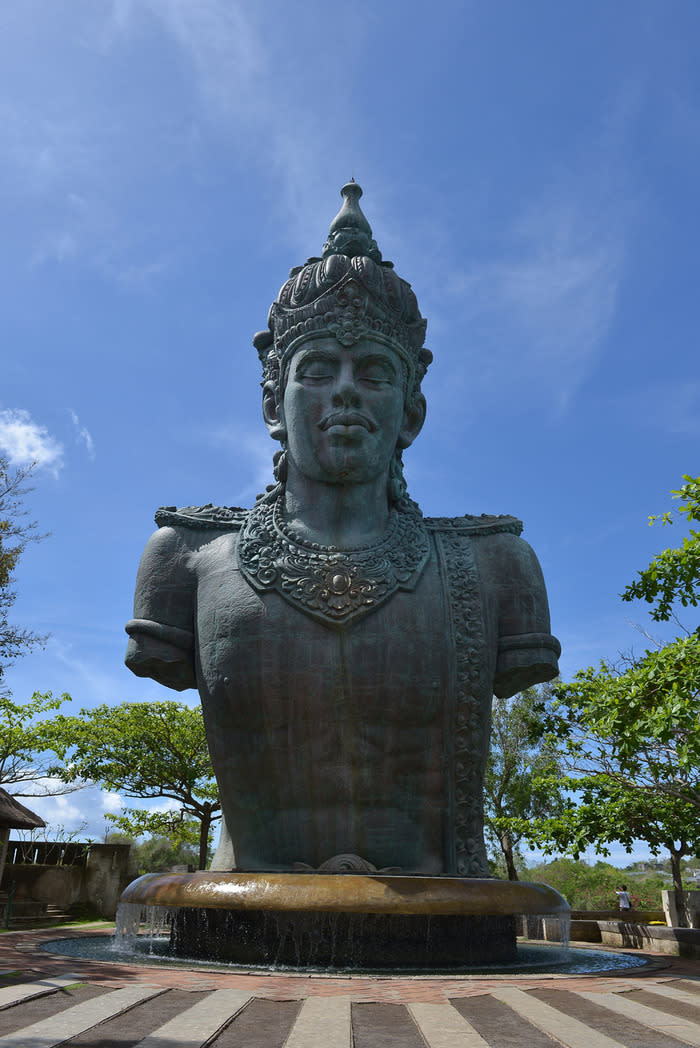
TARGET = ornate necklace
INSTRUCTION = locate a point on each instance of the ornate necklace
(334, 586)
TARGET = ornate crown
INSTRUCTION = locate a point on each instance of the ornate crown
(348, 294)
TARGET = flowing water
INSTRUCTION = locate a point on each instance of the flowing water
(142, 936)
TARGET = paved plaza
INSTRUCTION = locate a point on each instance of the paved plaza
(48, 1000)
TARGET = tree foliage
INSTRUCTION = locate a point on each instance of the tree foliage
(26, 739)
(148, 750)
(674, 574)
(631, 729)
(521, 773)
(633, 753)
(15, 533)
(181, 831)
(592, 886)
(159, 853)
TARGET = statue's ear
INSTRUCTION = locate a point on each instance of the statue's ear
(273, 413)
(413, 419)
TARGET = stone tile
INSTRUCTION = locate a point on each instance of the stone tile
(34, 1010)
(621, 1028)
(562, 1028)
(668, 999)
(262, 1022)
(384, 1026)
(52, 1031)
(199, 1022)
(442, 1026)
(132, 1026)
(664, 1023)
(10, 995)
(499, 1025)
(322, 1021)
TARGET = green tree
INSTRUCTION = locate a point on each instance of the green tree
(521, 772)
(592, 886)
(633, 754)
(147, 750)
(631, 728)
(26, 738)
(181, 831)
(159, 853)
(15, 533)
(674, 574)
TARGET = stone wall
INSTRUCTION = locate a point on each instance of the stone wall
(679, 942)
(97, 881)
(682, 909)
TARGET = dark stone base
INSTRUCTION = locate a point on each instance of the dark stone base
(341, 940)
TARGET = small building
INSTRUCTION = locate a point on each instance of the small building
(14, 816)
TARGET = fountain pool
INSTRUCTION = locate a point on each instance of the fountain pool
(531, 959)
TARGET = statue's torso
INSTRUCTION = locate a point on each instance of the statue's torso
(365, 735)
(342, 730)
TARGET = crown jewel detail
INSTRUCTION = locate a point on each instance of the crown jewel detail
(348, 294)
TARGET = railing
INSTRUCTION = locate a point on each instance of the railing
(46, 853)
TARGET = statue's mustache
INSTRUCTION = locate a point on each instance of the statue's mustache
(347, 418)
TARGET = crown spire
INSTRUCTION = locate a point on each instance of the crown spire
(350, 233)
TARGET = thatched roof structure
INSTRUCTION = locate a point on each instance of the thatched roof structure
(15, 815)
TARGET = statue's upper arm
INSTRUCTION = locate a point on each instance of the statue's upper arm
(527, 651)
(161, 633)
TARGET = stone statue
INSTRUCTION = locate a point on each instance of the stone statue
(345, 647)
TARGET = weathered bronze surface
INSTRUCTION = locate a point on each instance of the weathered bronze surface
(349, 893)
(345, 647)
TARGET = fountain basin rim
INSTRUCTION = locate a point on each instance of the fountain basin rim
(345, 893)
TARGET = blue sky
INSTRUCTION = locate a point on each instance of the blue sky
(531, 169)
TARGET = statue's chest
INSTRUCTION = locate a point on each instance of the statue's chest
(334, 586)
(274, 663)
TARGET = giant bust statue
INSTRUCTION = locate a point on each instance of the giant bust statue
(345, 647)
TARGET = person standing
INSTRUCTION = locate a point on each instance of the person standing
(623, 897)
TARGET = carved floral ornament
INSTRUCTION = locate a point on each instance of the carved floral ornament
(331, 585)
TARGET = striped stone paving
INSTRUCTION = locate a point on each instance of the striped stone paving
(502, 1017)
(47, 1000)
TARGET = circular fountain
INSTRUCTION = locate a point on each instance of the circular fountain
(341, 920)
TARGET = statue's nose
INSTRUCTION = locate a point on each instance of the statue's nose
(346, 391)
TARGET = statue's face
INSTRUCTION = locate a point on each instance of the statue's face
(343, 410)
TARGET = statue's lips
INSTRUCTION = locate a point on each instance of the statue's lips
(346, 419)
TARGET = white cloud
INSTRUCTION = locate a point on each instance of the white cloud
(241, 63)
(46, 787)
(166, 805)
(24, 441)
(112, 803)
(63, 815)
(89, 680)
(55, 247)
(83, 434)
(548, 304)
(223, 46)
(78, 815)
(234, 66)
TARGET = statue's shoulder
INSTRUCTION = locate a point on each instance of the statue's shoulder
(474, 526)
(209, 517)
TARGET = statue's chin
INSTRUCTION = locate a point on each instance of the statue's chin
(346, 474)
